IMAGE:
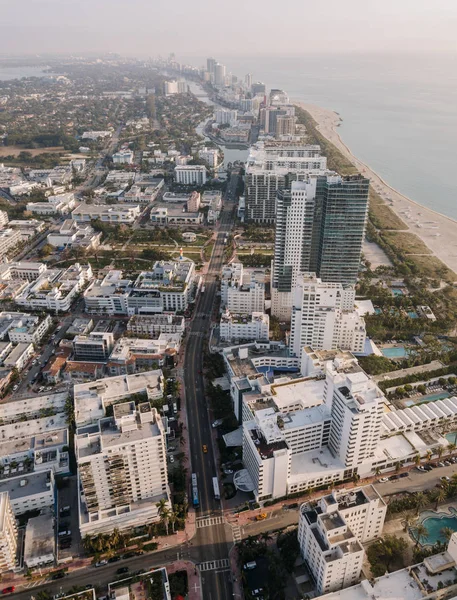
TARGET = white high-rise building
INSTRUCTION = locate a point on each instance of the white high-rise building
(323, 317)
(224, 116)
(248, 81)
(219, 75)
(122, 469)
(357, 406)
(270, 167)
(8, 534)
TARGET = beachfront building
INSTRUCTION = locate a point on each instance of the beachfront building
(272, 166)
(323, 317)
(154, 325)
(122, 469)
(320, 226)
(113, 213)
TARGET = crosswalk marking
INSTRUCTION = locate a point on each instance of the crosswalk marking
(209, 521)
(213, 565)
(236, 532)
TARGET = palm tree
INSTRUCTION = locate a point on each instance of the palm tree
(420, 500)
(115, 538)
(407, 520)
(164, 512)
(377, 471)
(172, 517)
(417, 460)
(429, 454)
(440, 451)
(421, 532)
(451, 447)
(266, 537)
(446, 533)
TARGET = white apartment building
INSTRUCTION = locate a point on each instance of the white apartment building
(122, 469)
(268, 166)
(242, 291)
(32, 491)
(9, 238)
(3, 218)
(235, 327)
(19, 356)
(190, 175)
(331, 550)
(209, 155)
(8, 534)
(39, 546)
(323, 317)
(60, 204)
(91, 399)
(73, 234)
(132, 355)
(25, 270)
(96, 135)
(113, 213)
(224, 116)
(55, 289)
(24, 328)
(123, 157)
(154, 325)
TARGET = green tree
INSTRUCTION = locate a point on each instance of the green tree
(446, 533)
(386, 554)
(421, 532)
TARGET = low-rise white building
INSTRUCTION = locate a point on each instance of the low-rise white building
(19, 356)
(96, 135)
(60, 204)
(123, 157)
(242, 290)
(154, 325)
(39, 546)
(23, 327)
(113, 213)
(235, 327)
(91, 399)
(190, 175)
(33, 491)
(73, 234)
(9, 238)
(209, 155)
(132, 355)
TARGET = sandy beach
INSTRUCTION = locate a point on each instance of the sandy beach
(437, 231)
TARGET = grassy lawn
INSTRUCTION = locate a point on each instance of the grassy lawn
(408, 243)
(255, 260)
(432, 267)
(383, 217)
(208, 250)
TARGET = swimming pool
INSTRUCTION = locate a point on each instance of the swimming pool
(430, 398)
(378, 311)
(452, 437)
(413, 315)
(397, 292)
(397, 352)
(435, 522)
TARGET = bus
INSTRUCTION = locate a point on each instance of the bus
(217, 495)
(195, 500)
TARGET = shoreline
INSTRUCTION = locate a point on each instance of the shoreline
(437, 231)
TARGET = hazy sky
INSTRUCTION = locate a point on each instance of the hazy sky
(212, 27)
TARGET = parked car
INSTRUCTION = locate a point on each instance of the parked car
(8, 590)
(58, 575)
(101, 563)
(384, 480)
(122, 570)
(114, 559)
(403, 475)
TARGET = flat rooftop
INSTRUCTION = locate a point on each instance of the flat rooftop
(307, 392)
(314, 464)
(35, 483)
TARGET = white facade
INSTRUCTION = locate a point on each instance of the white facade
(242, 291)
(113, 213)
(9, 238)
(73, 234)
(8, 534)
(255, 326)
(32, 491)
(3, 218)
(19, 356)
(26, 328)
(122, 469)
(225, 117)
(190, 175)
(324, 318)
(153, 325)
(123, 157)
(210, 155)
(331, 550)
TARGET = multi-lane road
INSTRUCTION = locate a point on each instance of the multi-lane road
(212, 541)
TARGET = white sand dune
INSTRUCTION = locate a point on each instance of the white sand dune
(437, 231)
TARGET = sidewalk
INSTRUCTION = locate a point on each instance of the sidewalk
(193, 577)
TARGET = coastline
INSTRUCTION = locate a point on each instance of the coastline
(437, 231)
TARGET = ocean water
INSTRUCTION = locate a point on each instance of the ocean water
(399, 112)
(7, 73)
